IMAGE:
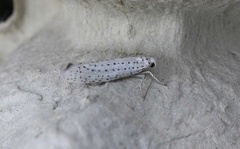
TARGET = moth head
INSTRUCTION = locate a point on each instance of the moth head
(149, 62)
(152, 63)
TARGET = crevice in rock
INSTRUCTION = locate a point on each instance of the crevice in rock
(6, 10)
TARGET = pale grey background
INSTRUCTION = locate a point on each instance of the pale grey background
(196, 45)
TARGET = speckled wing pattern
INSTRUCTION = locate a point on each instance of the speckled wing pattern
(108, 70)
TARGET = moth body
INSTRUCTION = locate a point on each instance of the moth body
(108, 70)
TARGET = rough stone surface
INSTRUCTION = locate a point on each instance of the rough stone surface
(196, 44)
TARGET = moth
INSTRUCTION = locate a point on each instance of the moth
(109, 70)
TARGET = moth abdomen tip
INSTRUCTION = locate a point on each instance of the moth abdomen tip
(68, 66)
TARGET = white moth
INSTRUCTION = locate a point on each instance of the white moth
(104, 71)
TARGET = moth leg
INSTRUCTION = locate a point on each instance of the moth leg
(140, 76)
(144, 96)
(149, 72)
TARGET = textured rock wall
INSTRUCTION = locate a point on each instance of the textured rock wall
(196, 47)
